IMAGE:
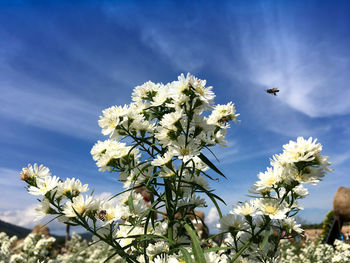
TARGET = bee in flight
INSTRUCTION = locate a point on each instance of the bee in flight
(273, 91)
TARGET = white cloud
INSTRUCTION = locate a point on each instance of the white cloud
(338, 159)
(166, 43)
(212, 216)
(212, 219)
(25, 218)
(21, 217)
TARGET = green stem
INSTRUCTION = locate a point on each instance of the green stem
(169, 210)
(240, 251)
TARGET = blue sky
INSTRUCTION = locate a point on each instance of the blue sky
(61, 63)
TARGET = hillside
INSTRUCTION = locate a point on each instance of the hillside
(12, 230)
(21, 232)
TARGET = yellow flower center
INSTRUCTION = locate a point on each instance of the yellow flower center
(112, 123)
(200, 91)
(246, 210)
(270, 180)
(184, 151)
(80, 208)
(270, 209)
(109, 216)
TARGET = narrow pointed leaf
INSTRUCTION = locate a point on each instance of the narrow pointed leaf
(186, 255)
(210, 164)
(196, 246)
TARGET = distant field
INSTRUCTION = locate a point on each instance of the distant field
(313, 233)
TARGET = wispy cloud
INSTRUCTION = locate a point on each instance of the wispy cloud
(25, 218)
(54, 110)
(311, 70)
(338, 159)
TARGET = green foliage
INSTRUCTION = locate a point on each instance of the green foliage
(326, 224)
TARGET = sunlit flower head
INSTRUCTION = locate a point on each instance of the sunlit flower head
(71, 187)
(44, 185)
(80, 205)
(35, 171)
(271, 208)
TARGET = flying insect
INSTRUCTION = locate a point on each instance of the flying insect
(273, 91)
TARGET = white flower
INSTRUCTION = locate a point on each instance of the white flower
(100, 148)
(271, 208)
(219, 138)
(301, 191)
(170, 120)
(44, 185)
(291, 225)
(182, 149)
(157, 248)
(193, 200)
(165, 136)
(124, 233)
(230, 222)
(80, 205)
(302, 150)
(109, 212)
(287, 172)
(214, 257)
(139, 124)
(109, 150)
(145, 92)
(162, 160)
(222, 114)
(161, 228)
(167, 172)
(135, 209)
(42, 209)
(204, 93)
(166, 259)
(111, 118)
(268, 179)
(72, 187)
(182, 84)
(35, 171)
(245, 209)
(162, 95)
(195, 162)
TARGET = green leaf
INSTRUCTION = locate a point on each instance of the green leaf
(127, 190)
(131, 202)
(212, 153)
(196, 246)
(210, 164)
(186, 255)
(240, 251)
(266, 238)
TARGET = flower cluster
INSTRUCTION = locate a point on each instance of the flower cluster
(315, 252)
(267, 218)
(34, 248)
(156, 146)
